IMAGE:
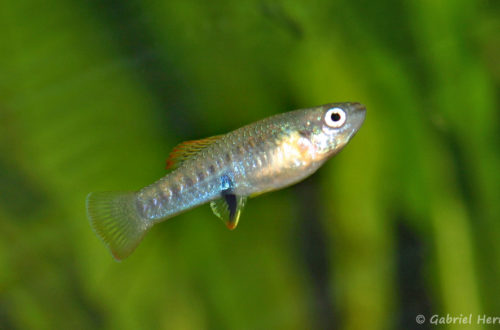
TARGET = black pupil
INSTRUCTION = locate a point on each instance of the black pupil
(335, 116)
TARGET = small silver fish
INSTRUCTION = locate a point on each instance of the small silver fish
(225, 170)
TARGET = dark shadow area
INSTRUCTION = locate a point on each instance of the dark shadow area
(19, 197)
(312, 243)
(413, 297)
(275, 12)
(5, 321)
(129, 30)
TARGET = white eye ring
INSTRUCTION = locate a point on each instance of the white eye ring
(335, 117)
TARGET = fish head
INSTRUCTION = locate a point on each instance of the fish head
(329, 127)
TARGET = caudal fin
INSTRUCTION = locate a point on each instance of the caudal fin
(114, 218)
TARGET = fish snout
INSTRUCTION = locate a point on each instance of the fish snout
(357, 115)
(356, 106)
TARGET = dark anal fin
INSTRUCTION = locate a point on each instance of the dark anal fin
(228, 208)
(232, 205)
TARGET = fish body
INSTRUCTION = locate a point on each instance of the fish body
(224, 170)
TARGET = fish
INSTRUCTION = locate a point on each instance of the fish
(225, 170)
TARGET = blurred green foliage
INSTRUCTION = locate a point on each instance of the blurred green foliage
(405, 221)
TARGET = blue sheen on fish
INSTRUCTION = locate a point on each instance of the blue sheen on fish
(225, 170)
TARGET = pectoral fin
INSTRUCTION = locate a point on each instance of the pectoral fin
(228, 208)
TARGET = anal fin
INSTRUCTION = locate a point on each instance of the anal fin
(228, 208)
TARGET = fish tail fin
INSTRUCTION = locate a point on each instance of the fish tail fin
(115, 219)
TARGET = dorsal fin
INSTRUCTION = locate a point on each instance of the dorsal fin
(187, 149)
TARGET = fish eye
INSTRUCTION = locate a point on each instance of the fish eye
(335, 117)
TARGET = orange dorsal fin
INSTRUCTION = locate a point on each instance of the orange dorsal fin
(187, 149)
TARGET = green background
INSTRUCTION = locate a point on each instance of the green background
(404, 221)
